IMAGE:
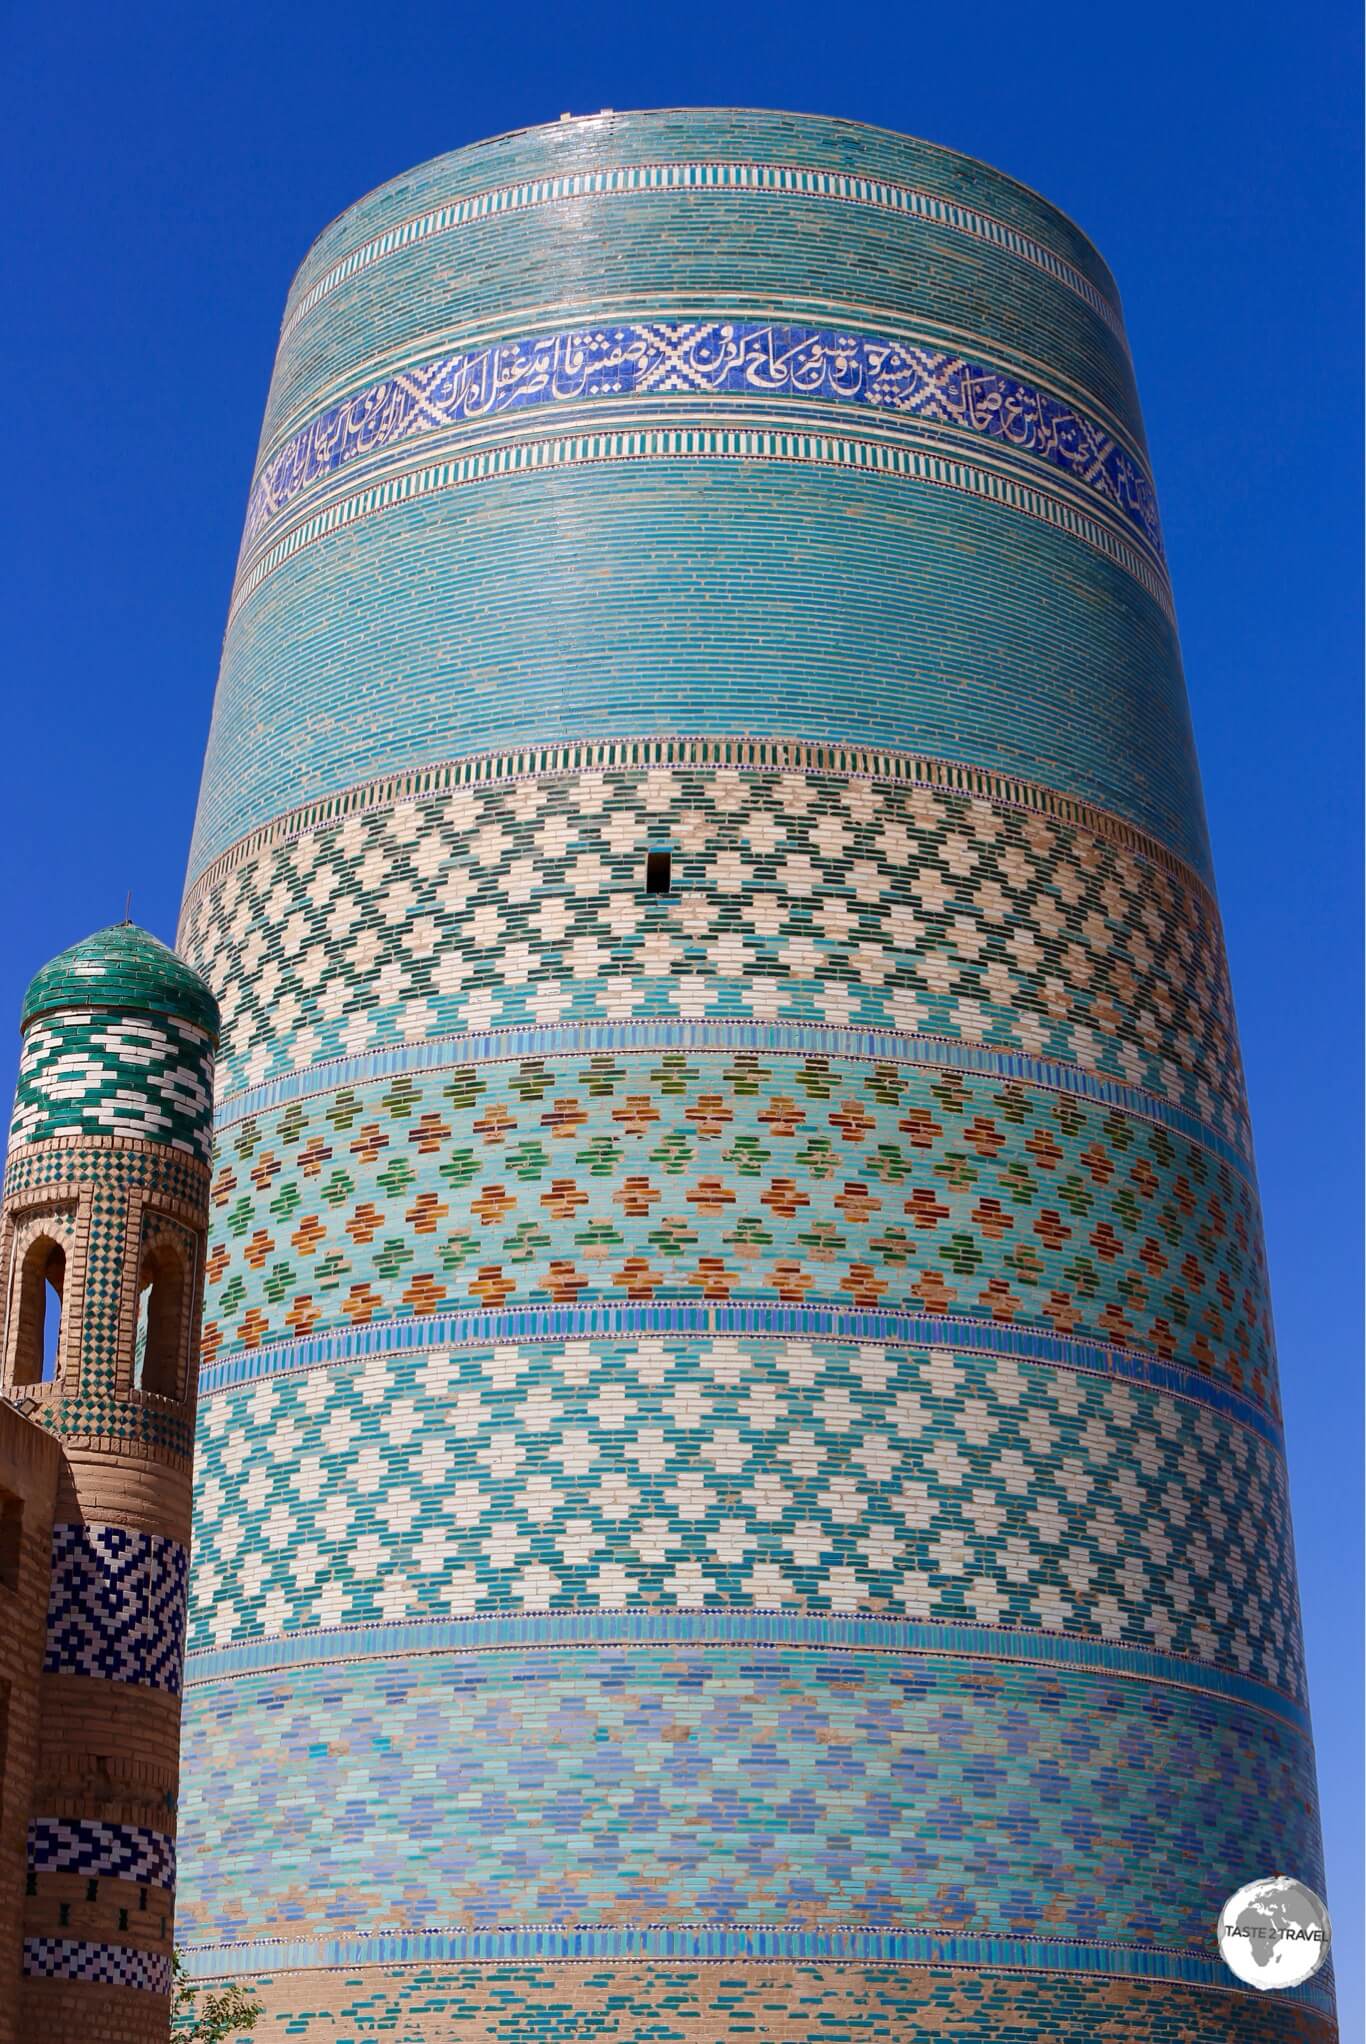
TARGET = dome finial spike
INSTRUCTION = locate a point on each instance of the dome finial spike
(128, 906)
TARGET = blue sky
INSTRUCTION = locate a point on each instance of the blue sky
(165, 169)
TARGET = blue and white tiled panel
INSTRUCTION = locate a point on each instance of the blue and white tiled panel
(117, 1852)
(100, 1965)
(116, 1608)
(902, 382)
(94, 1073)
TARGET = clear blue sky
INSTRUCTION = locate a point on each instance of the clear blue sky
(167, 166)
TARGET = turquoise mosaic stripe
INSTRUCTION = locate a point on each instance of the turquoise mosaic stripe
(674, 1786)
(1045, 661)
(880, 1046)
(880, 194)
(835, 448)
(833, 1631)
(724, 1942)
(582, 1323)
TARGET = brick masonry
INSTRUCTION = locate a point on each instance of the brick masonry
(106, 1194)
(739, 1483)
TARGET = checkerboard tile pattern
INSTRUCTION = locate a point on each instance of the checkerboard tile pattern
(100, 1965)
(779, 1475)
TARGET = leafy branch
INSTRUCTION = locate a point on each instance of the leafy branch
(208, 2015)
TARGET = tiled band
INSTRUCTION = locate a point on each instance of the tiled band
(698, 752)
(1002, 1498)
(736, 358)
(888, 1196)
(117, 1852)
(117, 1606)
(774, 1039)
(834, 448)
(676, 1786)
(928, 904)
(814, 1631)
(721, 1944)
(98, 1965)
(784, 2002)
(700, 178)
(764, 1322)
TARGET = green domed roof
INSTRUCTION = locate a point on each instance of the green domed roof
(126, 968)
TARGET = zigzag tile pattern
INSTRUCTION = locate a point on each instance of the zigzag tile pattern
(117, 1606)
(120, 1852)
(100, 1074)
(801, 897)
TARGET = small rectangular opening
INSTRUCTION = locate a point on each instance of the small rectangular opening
(658, 867)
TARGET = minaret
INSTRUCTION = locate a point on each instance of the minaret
(104, 1219)
(740, 1488)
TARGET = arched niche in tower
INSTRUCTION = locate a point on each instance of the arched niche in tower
(37, 1308)
(159, 1349)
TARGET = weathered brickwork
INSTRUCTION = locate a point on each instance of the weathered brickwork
(691, 2004)
(28, 1489)
(101, 1262)
(739, 1478)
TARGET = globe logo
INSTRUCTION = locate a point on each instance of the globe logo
(1274, 1933)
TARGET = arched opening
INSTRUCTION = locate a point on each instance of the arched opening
(42, 1276)
(161, 1300)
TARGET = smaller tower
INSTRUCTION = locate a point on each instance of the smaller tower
(102, 1260)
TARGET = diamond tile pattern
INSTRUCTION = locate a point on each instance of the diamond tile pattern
(799, 897)
(782, 1475)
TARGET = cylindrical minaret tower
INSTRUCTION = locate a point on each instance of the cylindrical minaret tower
(104, 1219)
(740, 1483)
